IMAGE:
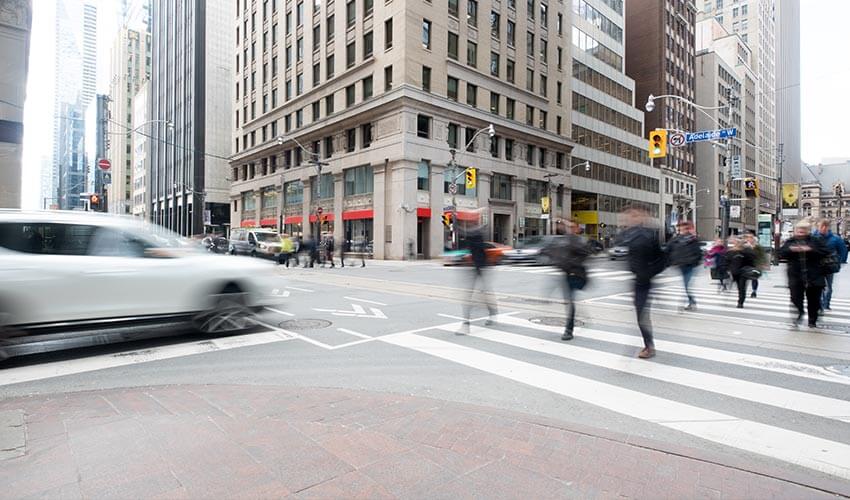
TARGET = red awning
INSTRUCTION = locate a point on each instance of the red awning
(423, 212)
(358, 214)
(325, 217)
(466, 216)
(268, 222)
(293, 219)
(248, 223)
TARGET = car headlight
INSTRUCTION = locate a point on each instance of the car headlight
(262, 245)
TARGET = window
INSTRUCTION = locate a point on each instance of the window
(329, 28)
(388, 78)
(274, 98)
(329, 67)
(453, 43)
(529, 115)
(426, 78)
(317, 74)
(511, 32)
(349, 96)
(453, 135)
(329, 147)
(323, 186)
(470, 144)
(544, 84)
(423, 177)
(329, 105)
(350, 140)
(509, 67)
(494, 63)
(529, 156)
(529, 79)
(451, 88)
(453, 8)
(265, 103)
(299, 14)
(350, 13)
(560, 58)
(274, 66)
(315, 109)
(358, 180)
(585, 42)
(472, 12)
(494, 103)
(367, 88)
(287, 123)
(287, 87)
(510, 108)
(495, 24)
(560, 24)
(472, 95)
(559, 92)
(349, 55)
(299, 83)
(299, 49)
(366, 134)
(529, 43)
(388, 34)
(299, 118)
(500, 187)
(367, 7)
(50, 238)
(544, 14)
(544, 117)
(471, 54)
(530, 10)
(288, 55)
(274, 34)
(423, 126)
(426, 34)
(367, 45)
(509, 149)
(494, 146)
(317, 37)
(544, 51)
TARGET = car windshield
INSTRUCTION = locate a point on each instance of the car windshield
(268, 237)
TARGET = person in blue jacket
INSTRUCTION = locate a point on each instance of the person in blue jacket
(834, 244)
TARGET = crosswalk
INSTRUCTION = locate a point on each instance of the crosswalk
(593, 273)
(779, 404)
(770, 306)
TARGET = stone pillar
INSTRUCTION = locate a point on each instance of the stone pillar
(519, 196)
(483, 193)
(379, 198)
(401, 209)
(435, 225)
(306, 226)
(339, 190)
(258, 203)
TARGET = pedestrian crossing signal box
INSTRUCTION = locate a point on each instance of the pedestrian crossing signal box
(751, 187)
(658, 143)
(471, 178)
(447, 219)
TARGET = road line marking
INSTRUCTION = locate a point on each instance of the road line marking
(352, 332)
(272, 309)
(356, 342)
(300, 289)
(366, 301)
(597, 274)
(794, 368)
(786, 445)
(780, 397)
(730, 300)
(761, 294)
(451, 316)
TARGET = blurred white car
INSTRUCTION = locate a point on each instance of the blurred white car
(69, 279)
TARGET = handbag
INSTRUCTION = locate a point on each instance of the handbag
(829, 264)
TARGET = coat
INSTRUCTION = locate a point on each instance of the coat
(835, 244)
(645, 258)
(684, 250)
(475, 241)
(569, 252)
(804, 268)
(740, 259)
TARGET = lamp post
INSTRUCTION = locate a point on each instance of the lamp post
(491, 131)
(316, 162)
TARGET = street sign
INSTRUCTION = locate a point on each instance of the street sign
(677, 140)
(104, 164)
(735, 211)
(737, 172)
(710, 135)
(452, 188)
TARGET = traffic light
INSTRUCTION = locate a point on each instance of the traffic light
(751, 187)
(470, 178)
(94, 201)
(447, 219)
(658, 143)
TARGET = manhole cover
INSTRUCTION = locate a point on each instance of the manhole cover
(840, 369)
(553, 321)
(305, 324)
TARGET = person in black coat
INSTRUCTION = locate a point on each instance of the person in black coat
(685, 252)
(645, 259)
(742, 262)
(478, 254)
(568, 251)
(805, 275)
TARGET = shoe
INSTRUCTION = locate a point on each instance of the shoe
(646, 353)
(690, 307)
(567, 336)
(812, 325)
(464, 328)
(740, 305)
(820, 311)
(489, 322)
(827, 308)
(753, 295)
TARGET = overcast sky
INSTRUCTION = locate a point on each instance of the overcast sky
(825, 83)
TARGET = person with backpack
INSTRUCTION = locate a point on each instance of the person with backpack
(715, 259)
(742, 266)
(838, 254)
(685, 252)
(805, 254)
(646, 259)
(568, 251)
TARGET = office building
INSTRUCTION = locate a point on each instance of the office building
(825, 193)
(660, 59)
(141, 151)
(15, 29)
(788, 133)
(379, 92)
(190, 135)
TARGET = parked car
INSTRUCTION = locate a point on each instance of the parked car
(529, 251)
(70, 279)
(255, 242)
(618, 252)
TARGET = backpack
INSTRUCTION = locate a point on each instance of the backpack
(830, 264)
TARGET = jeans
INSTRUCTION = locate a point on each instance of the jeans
(826, 297)
(480, 282)
(755, 285)
(813, 298)
(687, 274)
(642, 310)
(742, 288)
(569, 295)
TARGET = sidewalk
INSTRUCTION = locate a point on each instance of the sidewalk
(270, 442)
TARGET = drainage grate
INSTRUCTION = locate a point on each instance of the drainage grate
(305, 324)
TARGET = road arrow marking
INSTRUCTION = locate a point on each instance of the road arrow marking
(356, 311)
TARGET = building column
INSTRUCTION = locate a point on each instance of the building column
(306, 226)
(401, 212)
(483, 194)
(338, 207)
(519, 196)
(379, 198)
(436, 232)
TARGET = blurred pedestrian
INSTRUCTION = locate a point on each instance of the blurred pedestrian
(646, 259)
(742, 266)
(761, 262)
(805, 276)
(329, 250)
(715, 259)
(478, 277)
(685, 252)
(568, 251)
(838, 254)
(286, 249)
(360, 247)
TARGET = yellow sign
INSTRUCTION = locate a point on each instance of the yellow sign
(790, 195)
(586, 216)
(544, 205)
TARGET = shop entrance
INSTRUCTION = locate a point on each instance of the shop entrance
(502, 229)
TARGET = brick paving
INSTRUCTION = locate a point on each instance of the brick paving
(272, 442)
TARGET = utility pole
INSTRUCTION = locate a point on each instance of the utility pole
(551, 224)
(727, 168)
(777, 233)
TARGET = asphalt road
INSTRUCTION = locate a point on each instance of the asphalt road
(736, 382)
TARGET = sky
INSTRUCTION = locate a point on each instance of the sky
(825, 82)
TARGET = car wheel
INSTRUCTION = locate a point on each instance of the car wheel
(253, 253)
(229, 313)
(232, 251)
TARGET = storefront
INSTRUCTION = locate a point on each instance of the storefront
(357, 226)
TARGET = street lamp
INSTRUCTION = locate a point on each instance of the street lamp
(491, 132)
(316, 162)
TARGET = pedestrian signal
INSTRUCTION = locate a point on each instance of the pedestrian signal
(94, 201)
(447, 219)
(470, 178)
(751, 187)
(658, 143)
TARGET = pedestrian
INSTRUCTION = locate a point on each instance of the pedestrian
(360, 246)
(646, 259)
(742, 266)
(838, 254)
(761, 261)
(715, 259)
(478, 277)
(568, 251)
(804, 254)
(329, 250)
(286, 249)
(684, 251)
